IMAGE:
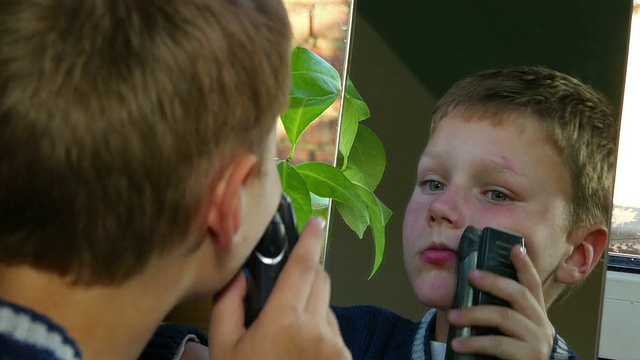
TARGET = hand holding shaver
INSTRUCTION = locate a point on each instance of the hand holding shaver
(487, 249)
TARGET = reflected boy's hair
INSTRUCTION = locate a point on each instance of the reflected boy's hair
(115, 114)
(578, 120)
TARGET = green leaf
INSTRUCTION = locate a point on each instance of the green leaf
(367, 160)
(327, 181)
(356, 220)
(352, 94)
(353, 110)
(379, 215)
(386, 212)
(301, 113)
(304, 60)
(294, 185)
(348, 129)
(320, 205)
(315, 85)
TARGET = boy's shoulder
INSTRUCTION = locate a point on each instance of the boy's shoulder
(562, 351)
(372, 332)
(27, 334)
(169, 340)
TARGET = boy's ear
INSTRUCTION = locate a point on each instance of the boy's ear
(224, 212)
(589, 243)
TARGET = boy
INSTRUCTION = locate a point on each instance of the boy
(136, 147)
(525, 149)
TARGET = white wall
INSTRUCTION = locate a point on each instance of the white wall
(620, 325)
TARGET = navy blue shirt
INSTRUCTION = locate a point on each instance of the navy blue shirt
(26, 334)
(375, 333)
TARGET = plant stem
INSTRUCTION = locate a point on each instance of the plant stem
(293, 148)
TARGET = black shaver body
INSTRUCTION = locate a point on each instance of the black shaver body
(268, 258)
(487, 249)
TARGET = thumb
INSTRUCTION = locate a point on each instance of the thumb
(227, 315)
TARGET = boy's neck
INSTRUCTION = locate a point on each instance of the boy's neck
(107, 322)
(442, 326)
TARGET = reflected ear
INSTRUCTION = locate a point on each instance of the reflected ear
(224, 212)
(589, 243)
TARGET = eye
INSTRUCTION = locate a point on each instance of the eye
(498, 196)
(432, 185)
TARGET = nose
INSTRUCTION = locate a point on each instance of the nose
(447, 208)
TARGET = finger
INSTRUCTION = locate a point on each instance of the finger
(320, 295)
(332, 320)
(527, 274)
(511, 291)
(508, 321)
(296, 280)
(499, 346)
(343, 351)
(227, 315)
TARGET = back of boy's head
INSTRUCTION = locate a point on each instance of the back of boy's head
(578, 121)
(114, 116)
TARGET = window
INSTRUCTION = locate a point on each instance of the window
(624, 245)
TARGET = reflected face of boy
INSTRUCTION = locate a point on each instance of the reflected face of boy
(478, 172)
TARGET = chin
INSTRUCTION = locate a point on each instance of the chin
(435, 289)
(440, 301)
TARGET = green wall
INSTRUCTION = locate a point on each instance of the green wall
(405, 54)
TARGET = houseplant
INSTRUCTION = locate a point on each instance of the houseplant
(316, 85)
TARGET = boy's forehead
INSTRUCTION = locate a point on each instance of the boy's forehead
(499, 164)
(460, 130)
(497, 115)
(515, 149)
(498, 118)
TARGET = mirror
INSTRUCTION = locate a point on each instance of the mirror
(620, 312)
(405, 55)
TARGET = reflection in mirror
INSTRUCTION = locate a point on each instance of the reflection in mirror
(404, 58)
(620, 313)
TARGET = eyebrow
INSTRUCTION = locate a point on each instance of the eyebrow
(504, 164)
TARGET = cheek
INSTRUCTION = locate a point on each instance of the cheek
(267, 203)
(414, 220)
(545, 245)
(549, 241)
(549, 251)
(274, 189)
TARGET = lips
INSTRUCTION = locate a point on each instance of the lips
(438, 254)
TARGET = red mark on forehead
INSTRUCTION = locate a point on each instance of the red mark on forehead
(509, 164)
